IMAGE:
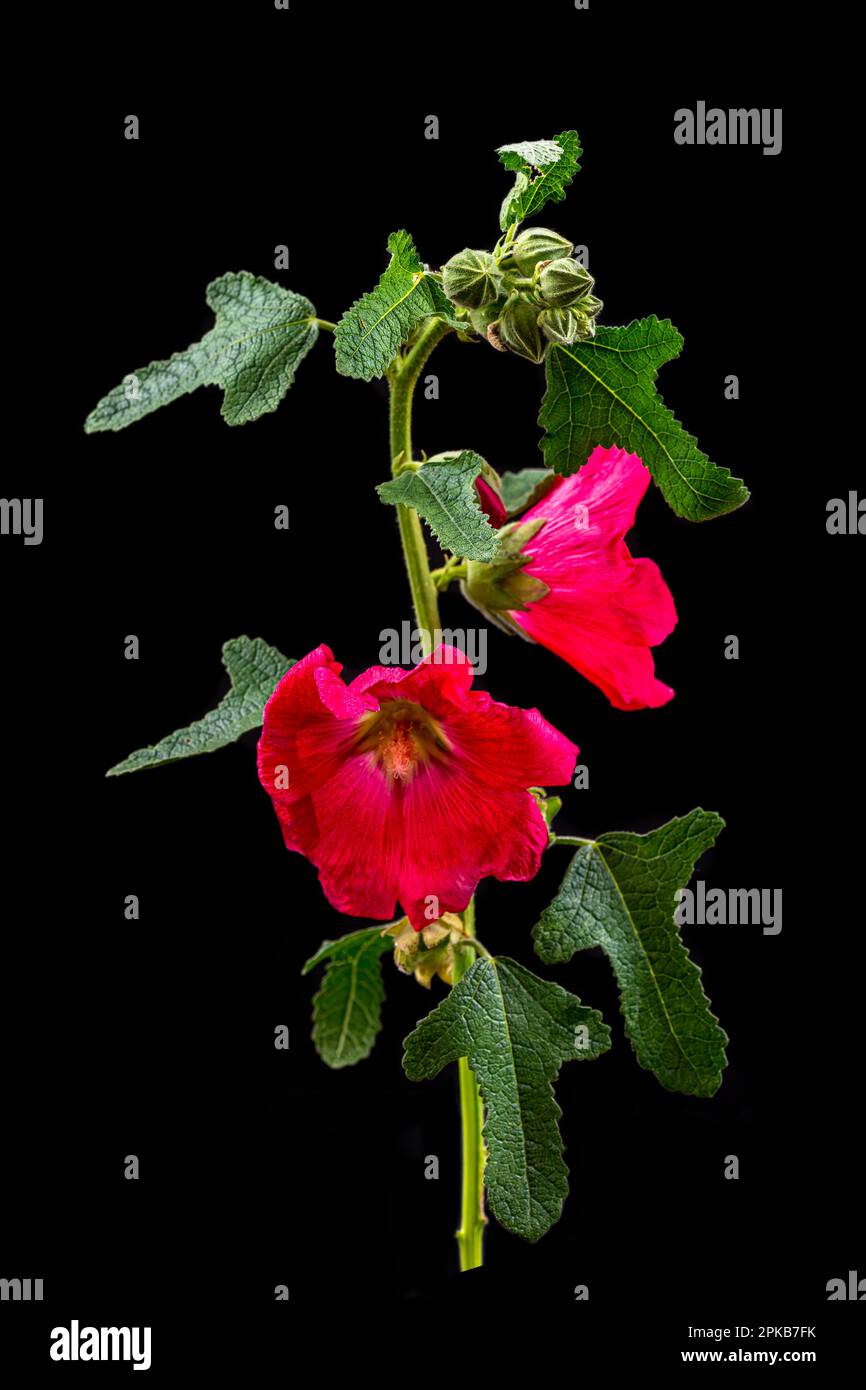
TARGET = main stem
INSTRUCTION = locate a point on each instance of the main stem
(402, 380)
(470, 1236)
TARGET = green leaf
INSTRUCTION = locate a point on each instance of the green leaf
(544, 169)
(261, 334)
(522, 490)
(602, 391)
(347, 1011)
(443, 491)
(369, 334)
(516, 1031)
(619, 893)
(254, 668)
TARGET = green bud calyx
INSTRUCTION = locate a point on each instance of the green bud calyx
(589, 305)
(536, 244)
(501, 587)
(518, 331)
(563, 282)
(428, 952)
(567, 325)
(471, 278)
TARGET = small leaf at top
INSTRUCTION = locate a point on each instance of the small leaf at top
(443, 491)
(543, 171)
(619, 893)
(516, 1030)
(255, 669)
(262, 332)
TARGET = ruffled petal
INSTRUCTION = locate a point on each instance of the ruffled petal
(424, 846)
(590, 510)
(623, 670)
(502, 746)
(306, 725)
(423, 838)
(435, 682)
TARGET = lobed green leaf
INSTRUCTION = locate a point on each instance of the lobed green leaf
(254, 668)
(516, 1031)
(602, 391)
(262, 332)
(619, 893)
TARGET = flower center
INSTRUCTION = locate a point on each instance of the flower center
(400, 737)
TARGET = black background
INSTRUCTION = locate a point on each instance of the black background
(156, 1038)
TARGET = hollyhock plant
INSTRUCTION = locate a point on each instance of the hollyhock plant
(406, 788)
(588, 599)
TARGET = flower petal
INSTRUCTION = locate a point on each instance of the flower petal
(425, 846)
(425, 836)
(605, 609)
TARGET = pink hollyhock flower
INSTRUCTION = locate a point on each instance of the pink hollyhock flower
(566, 578)
(407, 786)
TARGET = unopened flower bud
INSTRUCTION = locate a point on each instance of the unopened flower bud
(559, 325)
(471, 278)
(429, 952)
(564, 281)
(590, 306)
(518, 330)
(538, 244)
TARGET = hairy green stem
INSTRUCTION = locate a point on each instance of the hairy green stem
(402, 380)
(455, 568)
(470, 1236)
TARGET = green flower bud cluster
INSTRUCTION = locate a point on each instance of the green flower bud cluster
(525, 295)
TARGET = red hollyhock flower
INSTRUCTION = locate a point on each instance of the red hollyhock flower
(407, 786)
(570, 582)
